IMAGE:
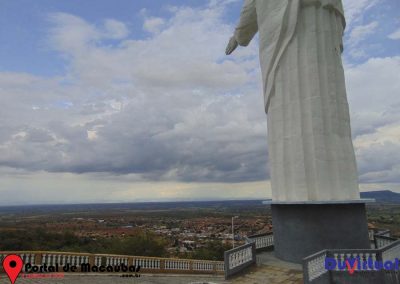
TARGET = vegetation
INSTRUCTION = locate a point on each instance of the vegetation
(143, 243)
(213, 251)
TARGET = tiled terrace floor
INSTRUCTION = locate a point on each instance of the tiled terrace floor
(269, 270)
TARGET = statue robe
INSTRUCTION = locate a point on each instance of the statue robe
(311, 154)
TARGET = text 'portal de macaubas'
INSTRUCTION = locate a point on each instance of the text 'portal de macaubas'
(312, 163)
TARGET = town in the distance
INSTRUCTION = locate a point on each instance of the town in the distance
(196, 230)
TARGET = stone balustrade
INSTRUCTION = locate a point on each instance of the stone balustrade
(239, 258)
(314, 266)
(382, 238)
(391, 251)
(314, 269)
(363, 255)
(262, 241)
(382, 241)
(147, 264)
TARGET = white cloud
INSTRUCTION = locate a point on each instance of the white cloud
(395, 35)
(153, 24)
(359, 33)
(373, 89)
(115, 29)
(357, 30)
(355, 9)
(165, 107)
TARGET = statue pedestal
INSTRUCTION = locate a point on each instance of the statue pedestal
(304, 228)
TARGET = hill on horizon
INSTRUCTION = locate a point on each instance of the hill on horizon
(386, 196)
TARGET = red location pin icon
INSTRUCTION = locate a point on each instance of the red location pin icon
(12, 265)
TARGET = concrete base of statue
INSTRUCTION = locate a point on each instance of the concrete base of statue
(304, 228)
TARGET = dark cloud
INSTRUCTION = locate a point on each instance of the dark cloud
(171, 107)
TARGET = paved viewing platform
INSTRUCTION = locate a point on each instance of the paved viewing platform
(269, 270)
(115, 279)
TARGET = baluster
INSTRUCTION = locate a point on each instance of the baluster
(367, 257)
(27, 258)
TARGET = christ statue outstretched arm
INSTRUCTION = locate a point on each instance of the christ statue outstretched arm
(246, 29)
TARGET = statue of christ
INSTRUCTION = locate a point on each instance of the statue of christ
(309, 137)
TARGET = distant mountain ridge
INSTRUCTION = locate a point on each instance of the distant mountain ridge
(386, 196)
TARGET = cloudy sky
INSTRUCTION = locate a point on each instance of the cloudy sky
(110, 101)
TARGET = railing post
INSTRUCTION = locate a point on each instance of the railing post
(306, 277)
(92, 259)
(38, 258)
(191, 265)
(215, 268)
(162, 265)
(379, 257)
(131, 261)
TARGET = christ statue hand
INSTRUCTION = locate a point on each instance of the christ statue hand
(231, 45)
